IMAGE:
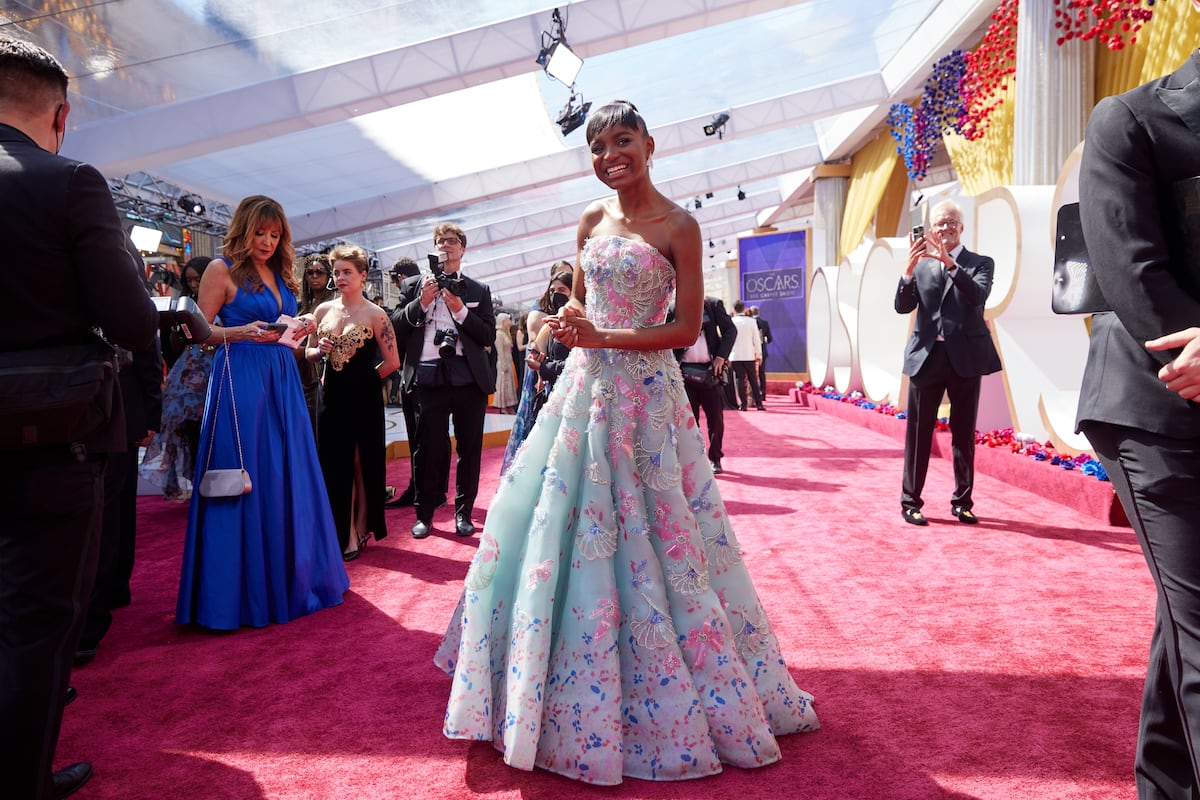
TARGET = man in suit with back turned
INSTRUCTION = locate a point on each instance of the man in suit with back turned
(447, 331)
(712, 349)
(68, 271)
(950, 351)
(1137, 403)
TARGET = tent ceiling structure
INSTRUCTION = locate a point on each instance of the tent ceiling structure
(373, 120)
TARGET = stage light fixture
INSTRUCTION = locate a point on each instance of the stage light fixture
(556, 57)
(190, 203)
(741, 195)
(710, 244)
(717, 126)
(698, 203)
(708, 195)
(573, 115)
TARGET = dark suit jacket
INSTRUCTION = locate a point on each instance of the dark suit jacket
(764, 332)
(952, 306)
(717, 327)
(477, 332)
(141, 391)
(1138, 144)
(69, 267)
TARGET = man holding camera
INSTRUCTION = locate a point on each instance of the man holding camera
(949, 353)
(447, 323)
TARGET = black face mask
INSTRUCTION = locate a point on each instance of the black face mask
(557, 301)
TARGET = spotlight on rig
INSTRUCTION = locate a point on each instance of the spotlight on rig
(698, 203)
(717, 126)
(573, 114)
(190, 203)
(556, 57)
(741, 195)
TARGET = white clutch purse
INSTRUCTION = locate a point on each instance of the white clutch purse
(225, 483)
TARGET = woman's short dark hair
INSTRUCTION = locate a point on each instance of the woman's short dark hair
(611, 115)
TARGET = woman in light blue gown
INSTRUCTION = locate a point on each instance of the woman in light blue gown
(271, 555)
(608, 626)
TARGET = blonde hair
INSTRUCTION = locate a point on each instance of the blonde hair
(252, 214)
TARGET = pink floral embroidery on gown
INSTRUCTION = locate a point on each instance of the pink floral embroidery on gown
(608, 626)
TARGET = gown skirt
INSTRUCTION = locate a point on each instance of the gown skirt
(608, 626)
(352, 421)
(271, 555)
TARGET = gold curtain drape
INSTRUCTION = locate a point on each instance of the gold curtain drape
(1161, 47)
(870, 171)
(893, 203)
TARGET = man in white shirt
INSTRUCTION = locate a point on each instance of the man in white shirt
(746, 355)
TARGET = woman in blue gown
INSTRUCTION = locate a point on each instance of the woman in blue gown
(271, 555)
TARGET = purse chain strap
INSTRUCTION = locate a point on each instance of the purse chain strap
(212, 431)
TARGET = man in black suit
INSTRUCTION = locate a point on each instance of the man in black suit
(1137, 401)
(949, 352)
(70, 271)
(447, 332)
(712, 348)
(764, 333)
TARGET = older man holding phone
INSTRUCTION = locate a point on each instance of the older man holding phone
(950, 351)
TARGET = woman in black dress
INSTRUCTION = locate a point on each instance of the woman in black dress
(355, 339)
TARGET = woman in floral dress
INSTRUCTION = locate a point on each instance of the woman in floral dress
(608, 626)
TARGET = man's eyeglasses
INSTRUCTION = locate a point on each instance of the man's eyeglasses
(311, 272)
(447, 240)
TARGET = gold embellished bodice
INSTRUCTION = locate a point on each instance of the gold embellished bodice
(346, 343)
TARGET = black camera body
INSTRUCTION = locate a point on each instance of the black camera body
(446, 341)
(446, 280)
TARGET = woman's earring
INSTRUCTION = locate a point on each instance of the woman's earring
(329, 284)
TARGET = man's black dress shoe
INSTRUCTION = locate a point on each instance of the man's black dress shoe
(964, 515)
(463, 525)
(68, 779)
(913, 516)
(401, 500)
(421, 529)
(716, 466)
(72, 693)
(83, 655)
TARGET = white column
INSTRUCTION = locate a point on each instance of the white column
(829, 204)
(1053, 95)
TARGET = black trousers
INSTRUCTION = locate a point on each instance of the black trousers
(118, 538)
(712, 400)
(408, 403)
(49, 544)
(437, 406)
(1156, 480)
(746, 371)
(925, 390)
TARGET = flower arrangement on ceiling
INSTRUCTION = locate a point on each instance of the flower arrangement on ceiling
(964, 89)
(1110, 21)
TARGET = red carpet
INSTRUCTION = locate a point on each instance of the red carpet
(998, 661)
